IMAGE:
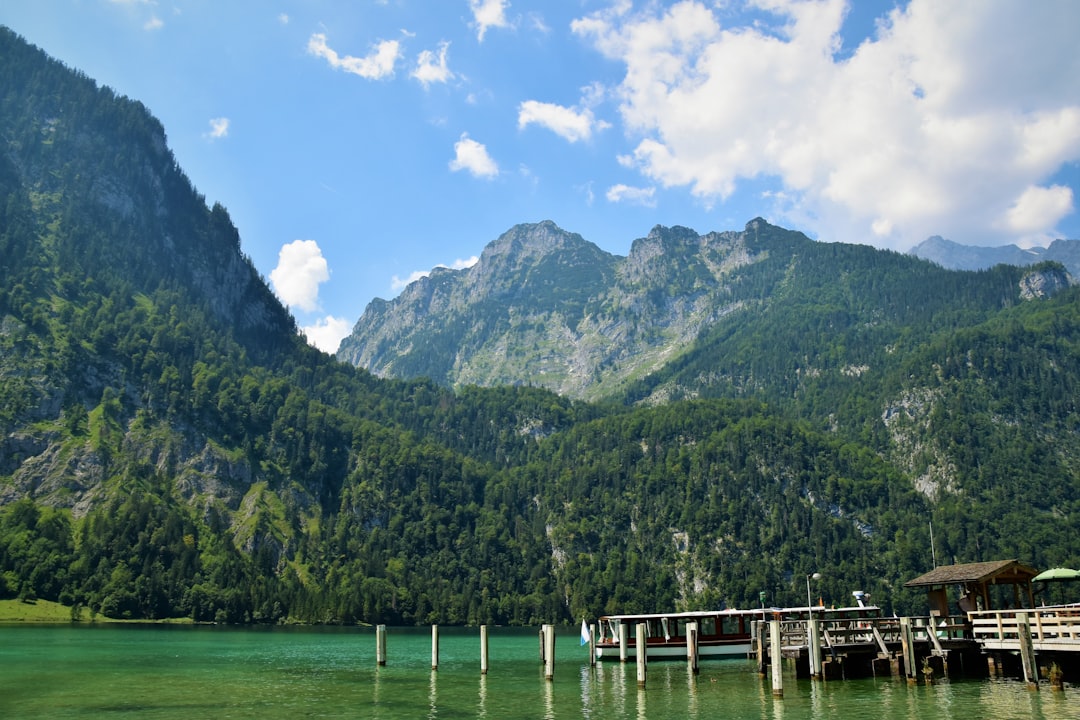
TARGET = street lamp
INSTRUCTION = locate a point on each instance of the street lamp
(814, 576)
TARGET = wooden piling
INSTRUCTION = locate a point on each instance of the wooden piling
(832, 669)
(640, 641)
(483, 649)
(549, 652)
(624, 642)
(380, 644)
(776, 654)
(692, 647)
(813, 638)
(592, 644)
(1027, 650)
(759, 627)
(434, 647)
(907, 649)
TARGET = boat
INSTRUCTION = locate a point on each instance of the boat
(721, 633)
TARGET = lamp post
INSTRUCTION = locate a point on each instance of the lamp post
(809, 605)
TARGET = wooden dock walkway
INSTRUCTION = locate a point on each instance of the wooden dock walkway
(919, 647)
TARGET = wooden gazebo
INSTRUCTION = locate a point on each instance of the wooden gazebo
(976, 579)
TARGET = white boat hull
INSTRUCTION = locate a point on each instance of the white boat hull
(676, 651)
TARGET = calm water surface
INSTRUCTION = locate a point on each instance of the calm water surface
(206, 672)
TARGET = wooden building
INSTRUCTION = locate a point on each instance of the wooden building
(976, 582)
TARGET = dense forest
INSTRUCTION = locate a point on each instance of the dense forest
(171, 447)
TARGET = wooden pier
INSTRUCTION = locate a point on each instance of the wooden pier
(1027, 643)
(833, 649)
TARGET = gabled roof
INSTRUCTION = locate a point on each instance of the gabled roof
(1005, 572)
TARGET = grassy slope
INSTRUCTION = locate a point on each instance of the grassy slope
(46, 611)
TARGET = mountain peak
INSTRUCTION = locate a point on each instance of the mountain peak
(529, 241)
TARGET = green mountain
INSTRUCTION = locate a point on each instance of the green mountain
(546, 307)
(170, 447)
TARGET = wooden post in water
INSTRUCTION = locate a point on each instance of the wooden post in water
(759, 646)
(380, 644)
(776, 654)
(813, 641)
(549, 652)
(623, 641)
(592, 644)
(483, 650)
(907, 648)
(692, 647)
(1027, 650)
(642, 636)
(434, 647)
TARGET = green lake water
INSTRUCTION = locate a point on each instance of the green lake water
(153, 671)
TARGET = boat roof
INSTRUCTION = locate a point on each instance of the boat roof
(692, 614)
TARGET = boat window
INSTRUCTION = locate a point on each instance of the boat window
(707, 626)
(731, 625)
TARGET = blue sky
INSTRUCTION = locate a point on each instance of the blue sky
(358, 143)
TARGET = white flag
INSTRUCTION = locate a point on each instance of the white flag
(584, 632)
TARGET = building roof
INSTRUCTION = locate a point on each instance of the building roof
(1005, 572)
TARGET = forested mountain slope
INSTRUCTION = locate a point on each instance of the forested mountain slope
(546, 307)
(170, 447)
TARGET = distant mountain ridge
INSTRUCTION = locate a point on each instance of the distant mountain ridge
(545, 307)
(954, 256)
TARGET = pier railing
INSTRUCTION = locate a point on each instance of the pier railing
(1051, 628)
(880, 634)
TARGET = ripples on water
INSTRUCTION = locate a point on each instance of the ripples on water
(196, 672)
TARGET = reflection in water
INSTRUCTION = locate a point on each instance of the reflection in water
(691, 695)
(481, 710)
(586, 690)
(283, 673)
(375, 687)
(817, 700)
(777, 707)
(433, 696)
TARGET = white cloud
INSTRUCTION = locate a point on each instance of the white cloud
(377, 65)
(300, 270)
(568, 123)
(432, 68)
(283, 18)
(327, 333)
(397, 284)
(951, 120)
(633, 195)
(219, 128)
(473, 156)
(154, 23)
(1038, 207)
(488, 14)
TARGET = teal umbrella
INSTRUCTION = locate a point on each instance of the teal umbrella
(1057, 575)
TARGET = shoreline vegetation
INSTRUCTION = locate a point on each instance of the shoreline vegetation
(47, 611)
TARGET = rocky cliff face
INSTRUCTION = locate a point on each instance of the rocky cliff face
(545, 306)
